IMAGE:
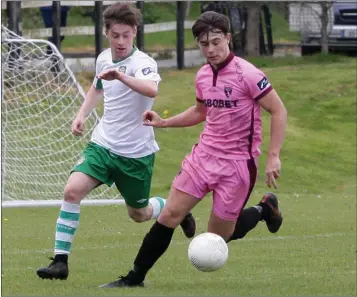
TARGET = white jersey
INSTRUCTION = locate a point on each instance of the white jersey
(121, 129)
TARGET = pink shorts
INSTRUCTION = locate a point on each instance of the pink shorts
(231, 181)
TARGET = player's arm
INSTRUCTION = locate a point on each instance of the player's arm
(273, 104)
(144, 81)
(91, 101)
(93, 96)
(144, 87)
(190, 117)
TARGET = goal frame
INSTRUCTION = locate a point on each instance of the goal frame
(45, 203)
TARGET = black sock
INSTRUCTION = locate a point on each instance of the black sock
(153, 247)
(247, 221)
(266, 210)
(61, 258)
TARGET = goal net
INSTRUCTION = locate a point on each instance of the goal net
(39, 100)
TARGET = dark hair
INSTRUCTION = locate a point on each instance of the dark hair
(210, 21)
(121, 13)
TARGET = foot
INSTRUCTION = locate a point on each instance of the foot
(188, 225)
(271, 213)
(56, 270)
(131, 280)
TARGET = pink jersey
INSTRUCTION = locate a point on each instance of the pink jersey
(233, 123)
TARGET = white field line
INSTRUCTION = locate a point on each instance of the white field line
(184, 242)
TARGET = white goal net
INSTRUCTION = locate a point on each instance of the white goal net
(39, 100)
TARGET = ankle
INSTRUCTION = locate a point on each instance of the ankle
(265, 210)
(61, 258)
(139, 272)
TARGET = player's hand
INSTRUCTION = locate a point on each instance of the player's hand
(78, 125)
(151, 118)
(110, 74)
(272, 172)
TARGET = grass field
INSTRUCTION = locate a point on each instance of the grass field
(314, 254)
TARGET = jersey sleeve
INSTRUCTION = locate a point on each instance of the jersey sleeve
(258, 84)
(97, 82)
(147, 69)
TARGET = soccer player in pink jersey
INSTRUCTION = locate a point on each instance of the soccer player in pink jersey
(229, 95)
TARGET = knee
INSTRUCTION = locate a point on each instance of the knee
(138, 215)
(171, 217)
(72, 194)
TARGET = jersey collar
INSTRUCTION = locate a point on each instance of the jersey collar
(131, 53)
(229, 58)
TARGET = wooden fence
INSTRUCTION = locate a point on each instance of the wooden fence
(89, 30)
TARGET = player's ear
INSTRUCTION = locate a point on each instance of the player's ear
(229, 37)
(135, 29)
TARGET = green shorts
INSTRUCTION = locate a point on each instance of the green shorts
(132, 176)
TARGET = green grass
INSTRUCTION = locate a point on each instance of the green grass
(280, 28)
(314, 254)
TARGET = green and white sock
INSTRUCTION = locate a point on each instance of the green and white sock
(158, 204)
(67, 224)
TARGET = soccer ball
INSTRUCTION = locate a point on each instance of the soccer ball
(208, 252)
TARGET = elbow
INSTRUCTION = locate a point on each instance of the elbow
(152, 93)
(203, 118)
(280, 112)
(283, 112)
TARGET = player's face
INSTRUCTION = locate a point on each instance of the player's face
(121, 38)
(214, 46)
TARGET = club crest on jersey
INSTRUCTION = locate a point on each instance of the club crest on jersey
(147, 70)
(228, 91)
(122, 69)
(263, 83)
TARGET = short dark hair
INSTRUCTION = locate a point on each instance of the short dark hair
(210, 21)
(122, 13)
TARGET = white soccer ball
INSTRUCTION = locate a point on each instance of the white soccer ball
(208, 252)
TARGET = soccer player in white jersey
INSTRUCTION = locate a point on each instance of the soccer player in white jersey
(122, 150)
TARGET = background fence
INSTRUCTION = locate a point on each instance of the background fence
(284, 27)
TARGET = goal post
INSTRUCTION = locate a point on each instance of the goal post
(39, 99)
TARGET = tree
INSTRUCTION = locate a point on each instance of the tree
(252, 33)
(321, 11)
(324, 18)
(187, 8)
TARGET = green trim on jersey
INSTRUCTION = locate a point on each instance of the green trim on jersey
(131, 53)
(132, 176)
(99, 85)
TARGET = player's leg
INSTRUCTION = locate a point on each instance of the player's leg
(133, 180)
(188, 187)
(221, 226)
(132, 176)
(267, 209)
(236, 182)
(158, 239)
(89, 172)
(228, 200)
